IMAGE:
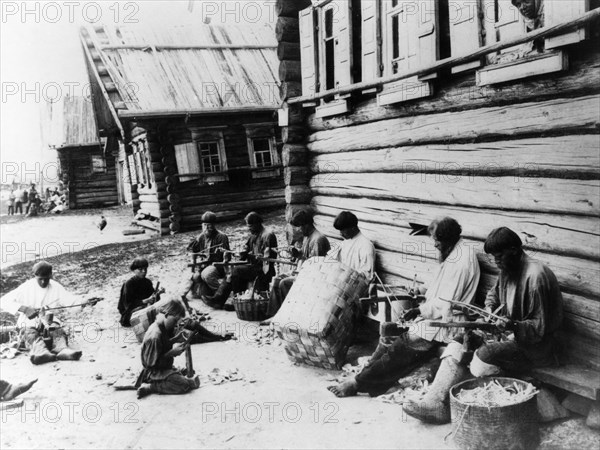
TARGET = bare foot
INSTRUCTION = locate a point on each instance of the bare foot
(196, 381)
(18, 389)
(346, 389)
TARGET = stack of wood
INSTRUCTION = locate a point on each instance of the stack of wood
(295, 155)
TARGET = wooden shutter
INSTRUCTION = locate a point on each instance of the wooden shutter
(509, 23)
(465, 31)
(308, 51)
(370, 40)
(427, 15)
(188, 160)
(560, 11)
(342, 31)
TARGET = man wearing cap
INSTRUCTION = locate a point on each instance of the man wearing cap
(30, 300)
(355, 250)
(261, 243)
(313, 244)
(206, 280)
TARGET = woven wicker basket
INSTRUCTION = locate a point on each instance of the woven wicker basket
(319, 315)
(143, 318)
(253, 308)
(512, 427)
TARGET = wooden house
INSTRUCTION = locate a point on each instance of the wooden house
(196, 110)
(413, 110)
(87, 165)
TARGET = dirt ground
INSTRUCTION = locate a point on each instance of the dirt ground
(274, 403)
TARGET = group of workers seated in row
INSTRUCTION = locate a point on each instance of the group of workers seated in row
(526, 300)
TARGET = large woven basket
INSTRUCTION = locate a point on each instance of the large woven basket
(143, 318)
(318, 318)
(253, 308)
(512, 427)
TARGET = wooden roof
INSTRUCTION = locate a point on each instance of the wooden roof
(72, 123)
(183, 69)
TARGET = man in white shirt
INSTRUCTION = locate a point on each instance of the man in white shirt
(356, 251)
(456, 280)
(29, 301)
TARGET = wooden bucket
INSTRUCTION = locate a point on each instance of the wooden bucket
(318, 317)
(142, 319)
(514, 427)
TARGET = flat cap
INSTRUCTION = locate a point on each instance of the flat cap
(209, 217)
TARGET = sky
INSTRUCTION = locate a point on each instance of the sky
(41, 60)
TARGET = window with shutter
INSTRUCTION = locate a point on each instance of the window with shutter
(558, 11)
(202, 159)
(308, 53)
(465, 31)
(410, 42)
(506, 19)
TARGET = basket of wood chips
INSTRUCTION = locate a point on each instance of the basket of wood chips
(251, 305)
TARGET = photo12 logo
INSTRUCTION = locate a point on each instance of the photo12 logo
(69, 12)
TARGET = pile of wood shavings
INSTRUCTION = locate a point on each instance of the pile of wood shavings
(494, 394)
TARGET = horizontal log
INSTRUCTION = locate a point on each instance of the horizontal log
(94, 204)
(527, 194)
(290, 8)
(204, 201)
(294, 155)
(148, 198)
(290, 71)
(95, 184)
(460, 93)
(150, 225)
(161, 176)
(561, 234)
(297, 194)
(294, 134)
(146, 190)
(291, 89)
(582, 350)
(539, 157)
(174, 198)
(574, 275)
(293, 175)
(150, 205)
(558, 116)
(192, 213)
(286, 29)
(288, 51)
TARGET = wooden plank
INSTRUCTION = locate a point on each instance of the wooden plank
(543, 64)
(508, 193)
(552, 116)
(574, 274)
(573, 156)
(576, 379)
(562, 234)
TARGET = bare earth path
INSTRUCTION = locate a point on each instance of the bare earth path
(277, 404)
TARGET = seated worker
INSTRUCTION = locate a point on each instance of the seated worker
(457, 280)
(355, 250)
(10, 391)
(137, 292)
(30, 300)
(158, 353)
(206, 278)
(261, 242)
(313, 244)
(530, 297)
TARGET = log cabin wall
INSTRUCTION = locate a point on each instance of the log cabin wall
(178, 202)
(522, 154)
(90, 176)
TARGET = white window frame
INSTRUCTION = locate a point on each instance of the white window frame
(263, 131)
(202, 136)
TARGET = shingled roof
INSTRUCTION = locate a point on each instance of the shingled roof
(71, 123)
(184, 69)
